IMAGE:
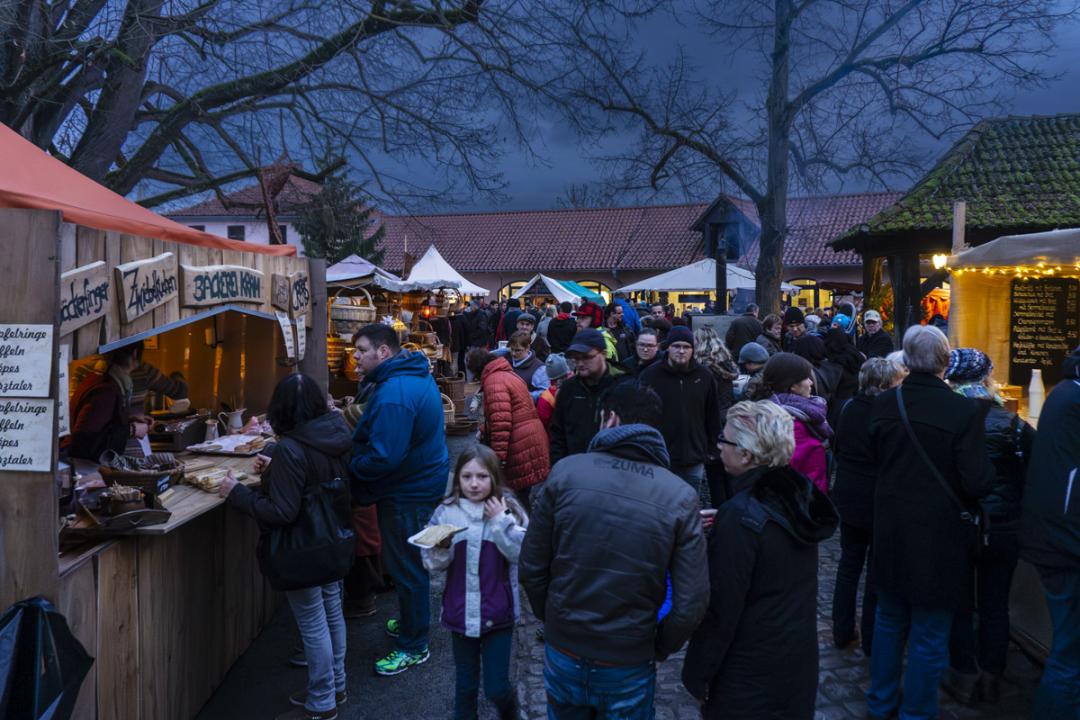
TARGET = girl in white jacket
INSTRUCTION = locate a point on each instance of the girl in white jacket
(480, 603)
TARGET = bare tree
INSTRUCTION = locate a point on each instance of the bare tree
(184, 96)
(846, 89)
(580, 196)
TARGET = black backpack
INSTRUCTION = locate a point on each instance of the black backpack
(318, 548)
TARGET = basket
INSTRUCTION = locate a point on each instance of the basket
(454, 387)
(336, 348)
(425, 337)
(448, 410)
(349, 314)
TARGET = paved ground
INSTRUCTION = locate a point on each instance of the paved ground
(259, 683)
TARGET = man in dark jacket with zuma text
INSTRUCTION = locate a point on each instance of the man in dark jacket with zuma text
(691, 407)
(599, 603)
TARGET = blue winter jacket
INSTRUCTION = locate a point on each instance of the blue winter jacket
(399, 445)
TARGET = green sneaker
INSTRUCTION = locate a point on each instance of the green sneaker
(393, 627)
(398, 661)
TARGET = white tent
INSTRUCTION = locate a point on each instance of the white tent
(432, 268)
(1055, 247)
(700, 275)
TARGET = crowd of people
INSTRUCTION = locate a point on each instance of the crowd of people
(649, 485)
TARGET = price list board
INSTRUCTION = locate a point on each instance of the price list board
(1045, 317)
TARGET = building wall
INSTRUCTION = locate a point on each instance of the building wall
(256, 233)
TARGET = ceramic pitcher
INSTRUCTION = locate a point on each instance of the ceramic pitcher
(233, 421)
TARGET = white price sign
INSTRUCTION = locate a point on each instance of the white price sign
(301, 336)
(26, 360)
(286, 332)
(63, 420)
(26, 435)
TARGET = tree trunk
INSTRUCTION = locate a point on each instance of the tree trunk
(772, 209)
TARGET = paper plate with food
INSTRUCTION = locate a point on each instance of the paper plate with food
(432, 535)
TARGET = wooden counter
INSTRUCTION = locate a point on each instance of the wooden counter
(168, 609)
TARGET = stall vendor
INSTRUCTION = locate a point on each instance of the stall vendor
(100, 409)
(145, 379)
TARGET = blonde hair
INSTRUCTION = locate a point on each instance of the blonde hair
(764, 429)
(710, 351)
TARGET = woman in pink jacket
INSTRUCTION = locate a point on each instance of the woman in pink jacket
(787, 380)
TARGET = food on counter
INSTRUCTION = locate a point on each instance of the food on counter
(238, 444)
(123, 493)
(210, 480)
(154, 462)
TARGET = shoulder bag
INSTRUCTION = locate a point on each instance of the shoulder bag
(318, 547)
(976, 524)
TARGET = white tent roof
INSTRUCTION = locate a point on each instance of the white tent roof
(1056, 247)
(700, 275)
(355, 271)
(559, 291)
(432, 268)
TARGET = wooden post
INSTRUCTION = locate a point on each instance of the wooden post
(30, 294)
(904, 276)
(959, 222)
(720, 253)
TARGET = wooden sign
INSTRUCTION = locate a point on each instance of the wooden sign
(84, 296)
(26, 360)
(298, 287)
(26, 435)
(280, 292)
(219, 285)
(1045, 316)
(142, 285)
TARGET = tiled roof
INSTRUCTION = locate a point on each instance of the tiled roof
(646, 238)
(1013, 173)
(814, 221)
(247, 201)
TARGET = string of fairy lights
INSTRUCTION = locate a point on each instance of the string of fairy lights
(1024, 272)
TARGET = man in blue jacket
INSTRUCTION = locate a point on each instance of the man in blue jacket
(1050, 539)
(399, 463)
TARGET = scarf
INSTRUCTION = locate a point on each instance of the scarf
(978, 391)
(123, 379)
(810, 410)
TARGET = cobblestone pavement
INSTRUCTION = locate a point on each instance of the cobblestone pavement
(843, 680)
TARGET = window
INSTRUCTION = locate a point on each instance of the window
(200, 228)
(811, 295)
(283, 230)
(235, 232)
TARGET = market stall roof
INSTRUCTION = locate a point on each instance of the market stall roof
(561, 290)
(700, 275)
(34, 180)
(1056, 247)
(355, 271)
(432, 268)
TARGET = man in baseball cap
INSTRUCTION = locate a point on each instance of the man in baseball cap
(576, 418)
(874, 342)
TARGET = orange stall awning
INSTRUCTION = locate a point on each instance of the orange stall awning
(32, 179)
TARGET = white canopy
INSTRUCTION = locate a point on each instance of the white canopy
(355, 267)
(432, 268)
(700, 275)
(556, 289)
(1056, 247)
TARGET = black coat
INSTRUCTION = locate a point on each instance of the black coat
(691, 421)
(922, 553)
(1009, 441)
(771, 344)
(755, 655)
(1050, 533)
(576, 417)
(624, 342)
(477, 330)
(856, 473)
(877, 345)
(742, 330)
(596, 601)
(561, 333)
(634, 366)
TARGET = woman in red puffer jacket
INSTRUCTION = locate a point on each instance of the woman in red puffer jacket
(511, 426)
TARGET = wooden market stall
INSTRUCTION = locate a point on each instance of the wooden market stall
(165, 609)
(1017, 298)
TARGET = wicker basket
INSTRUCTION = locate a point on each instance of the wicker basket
(448, 409)
(454, 387)
(335, 350)
(425, 337)
(349, 314)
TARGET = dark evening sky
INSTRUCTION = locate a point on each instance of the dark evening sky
(536, 184)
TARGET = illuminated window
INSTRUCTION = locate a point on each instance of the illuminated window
(811, 295)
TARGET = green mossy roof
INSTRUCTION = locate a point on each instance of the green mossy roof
(1012, 172)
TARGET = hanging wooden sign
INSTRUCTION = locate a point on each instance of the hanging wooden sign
(84, 296)
(142, 285)
(280, 292)
(292, 293)
(219, 285)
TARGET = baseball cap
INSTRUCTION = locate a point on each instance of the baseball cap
(871, 315)
(586, 340)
